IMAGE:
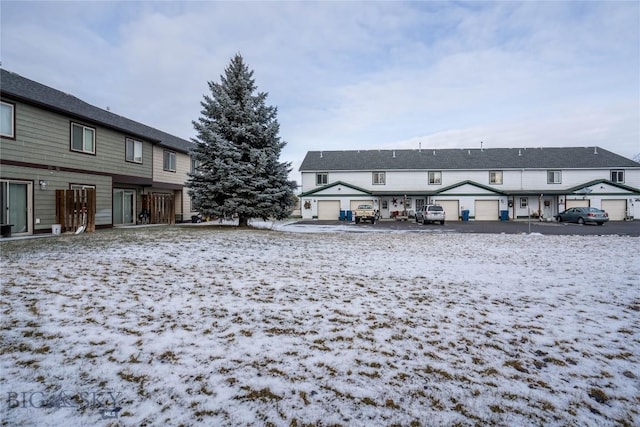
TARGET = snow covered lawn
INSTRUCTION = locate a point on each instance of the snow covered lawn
(219, 326)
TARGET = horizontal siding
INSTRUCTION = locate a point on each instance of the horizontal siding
(43, 137)
(186, 205)
(527, 180)
(632, 178)
(183, 167)
(44, 200)
(308, 181)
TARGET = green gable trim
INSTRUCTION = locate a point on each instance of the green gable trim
(473, 183)
(335, 184)
(536, 192)
(603, 181)
(439, 192)
(403, 193)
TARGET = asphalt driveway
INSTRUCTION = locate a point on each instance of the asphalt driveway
(623, 228)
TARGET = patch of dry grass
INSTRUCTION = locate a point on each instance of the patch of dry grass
(221, 323)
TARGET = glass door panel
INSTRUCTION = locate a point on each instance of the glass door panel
(127, 207)
(15, 205)
(124, 207)
(117, 207)
(18, 212)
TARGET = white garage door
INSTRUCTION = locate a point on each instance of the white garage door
(486, 210)
(353, 204)
(329, 209)
(451, 209)
(577, 203)
(617, 209)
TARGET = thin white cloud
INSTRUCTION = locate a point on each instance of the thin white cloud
(350, 74)
(614, 130)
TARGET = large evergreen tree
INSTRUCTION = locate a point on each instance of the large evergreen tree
(237, 150)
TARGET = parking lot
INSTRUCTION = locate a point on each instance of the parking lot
(623, 228)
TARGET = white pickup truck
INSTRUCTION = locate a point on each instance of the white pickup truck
(365, 213)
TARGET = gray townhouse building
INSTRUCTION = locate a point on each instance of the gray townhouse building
(489, 184)
(51, 140)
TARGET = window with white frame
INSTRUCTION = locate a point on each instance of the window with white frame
(7, 120)
(321, 178)
(195, 164)
(435, 177)
(554, 177)
(169, 162)
(378, 178)
(495, 177)
(133, 150)
(617, 176)
(81, 187)
(83, 139)
(524, 202)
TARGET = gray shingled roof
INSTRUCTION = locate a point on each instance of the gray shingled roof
(465, 159)
(29, 91)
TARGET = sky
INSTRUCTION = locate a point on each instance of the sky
(352, 75)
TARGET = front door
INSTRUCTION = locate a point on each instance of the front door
(124, 207)
(16, 211)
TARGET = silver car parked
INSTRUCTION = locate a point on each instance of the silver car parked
(582, 215)
(431, 213)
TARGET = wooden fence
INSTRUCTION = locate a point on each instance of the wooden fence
(160, 208)
(75, 208)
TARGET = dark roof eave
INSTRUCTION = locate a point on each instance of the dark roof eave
(167, 185)
(92, 115)
(79, 117)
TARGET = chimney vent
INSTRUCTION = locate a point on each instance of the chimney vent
(394, 154)
(321, 154)
(595, 150)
